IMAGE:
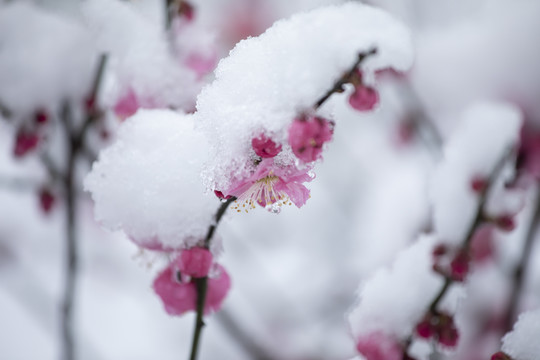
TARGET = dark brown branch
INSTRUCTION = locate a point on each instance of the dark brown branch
(202, 283)
(345, 78)
(519, 274)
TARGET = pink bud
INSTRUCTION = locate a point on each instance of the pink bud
(265, 147)
(90, 103)
(41, 117)
(307, 135)
(447, 332)
(500, 356)
(459, 267)
(482, 243)
(424, 329)
(379, 346)
(25, 141)
(505, 223)
(439, 251)
(220, 195)
(127, 105)
(46, 200)
(364, 98)
(195, 262)
(186, 10)
(479, 184)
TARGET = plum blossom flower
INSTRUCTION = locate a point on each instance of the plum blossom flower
(179, 297)
(271, 185)
(307, 135)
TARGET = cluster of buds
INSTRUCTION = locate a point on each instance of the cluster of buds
(308, 134)
(440, 327)
(29, 134)
(452, 264)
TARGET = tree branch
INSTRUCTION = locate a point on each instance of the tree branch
(201, 284)
(519, 273)
(345, 78)
(475, 223)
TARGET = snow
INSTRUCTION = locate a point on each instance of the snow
(487, 131)
(140, 57)
(522, 342)
(394, 299)
(37, 73)
(148, 182)
(266, 81)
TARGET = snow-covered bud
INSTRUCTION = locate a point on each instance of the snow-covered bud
(307, 135)
(265, 147)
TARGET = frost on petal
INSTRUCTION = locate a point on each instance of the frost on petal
(148, 182)
(522, 342)
(486, 133)
(284, 72)
(394, 300)
(177, 297)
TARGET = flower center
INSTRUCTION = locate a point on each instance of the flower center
(264, 193)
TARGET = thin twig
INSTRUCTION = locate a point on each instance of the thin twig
(75, 142)
(519, 274)
(345, 78)
(475, 223)
(201, 284)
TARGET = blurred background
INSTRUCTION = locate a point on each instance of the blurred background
(294, 275)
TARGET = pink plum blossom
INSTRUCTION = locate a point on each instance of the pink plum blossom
(271, 184)
(265, 147)
(195, 262)
(180, 297)
(307, 135)
(379, 346)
